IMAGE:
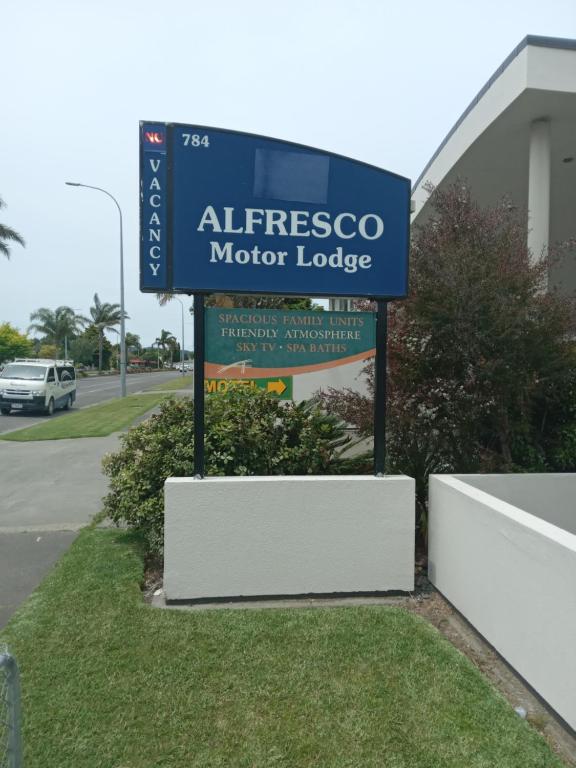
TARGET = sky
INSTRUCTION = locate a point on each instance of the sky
(375, 80)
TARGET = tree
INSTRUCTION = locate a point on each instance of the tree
(57, 325)
(84, 348)
(133, 343)
(165, 341)
(174, 348)
(13, 343)
(105, 317)
(481, 357)
(261, 302)
(150, 355)
(239, 301)
(101, 347)
(48, 351)
(8, 235)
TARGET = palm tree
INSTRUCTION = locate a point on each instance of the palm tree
(8, 234)
(165, 340)
(56, 325)
(105, 317)
(133, 343)
(173, 346)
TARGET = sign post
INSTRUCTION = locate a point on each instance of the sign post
(230, 212)
(380, 388)
(199, 360)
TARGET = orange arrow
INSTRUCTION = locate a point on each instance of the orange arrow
(276, 386)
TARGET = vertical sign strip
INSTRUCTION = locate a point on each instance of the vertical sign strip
(153, 207)
(169, 207)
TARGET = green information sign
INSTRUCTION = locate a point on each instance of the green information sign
(267, 344)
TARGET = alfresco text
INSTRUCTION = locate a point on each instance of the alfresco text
(271, 221)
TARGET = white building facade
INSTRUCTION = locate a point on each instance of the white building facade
(518, 139)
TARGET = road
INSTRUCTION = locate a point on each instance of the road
(91, 390)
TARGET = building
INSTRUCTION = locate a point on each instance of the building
(518, 138)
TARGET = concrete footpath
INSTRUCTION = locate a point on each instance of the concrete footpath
(48, 491)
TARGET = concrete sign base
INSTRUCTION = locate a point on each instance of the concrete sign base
(271, 536)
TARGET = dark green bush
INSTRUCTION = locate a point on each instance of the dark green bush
(247, 433)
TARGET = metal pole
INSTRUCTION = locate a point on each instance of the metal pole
(182, 350)
(380, 388)
(122, 311)
(198, 385)
(13, 746)
(183, 355)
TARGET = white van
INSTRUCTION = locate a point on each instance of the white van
(35, 384)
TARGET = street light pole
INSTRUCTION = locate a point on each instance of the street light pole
(122, 313)
(182, 350)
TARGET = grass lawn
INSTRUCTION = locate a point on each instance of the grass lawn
(182, 382)
(96, 421)
(111, 683)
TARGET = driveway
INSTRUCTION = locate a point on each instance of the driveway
(48, 491)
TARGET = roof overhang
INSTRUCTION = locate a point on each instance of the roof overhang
(489, 145)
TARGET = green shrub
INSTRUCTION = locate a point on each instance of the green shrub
(247, 433)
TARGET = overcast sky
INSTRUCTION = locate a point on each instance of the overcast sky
(375, 80)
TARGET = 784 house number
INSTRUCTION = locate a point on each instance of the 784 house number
(195, 140)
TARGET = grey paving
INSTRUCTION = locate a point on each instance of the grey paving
(25, 559)
(52, 482)
(48, 491)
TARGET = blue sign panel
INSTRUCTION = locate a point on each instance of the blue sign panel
(239, 213)
(153, 207)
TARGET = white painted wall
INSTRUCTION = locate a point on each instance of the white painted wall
(549, 496)
(254, 536)
(512, 575)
